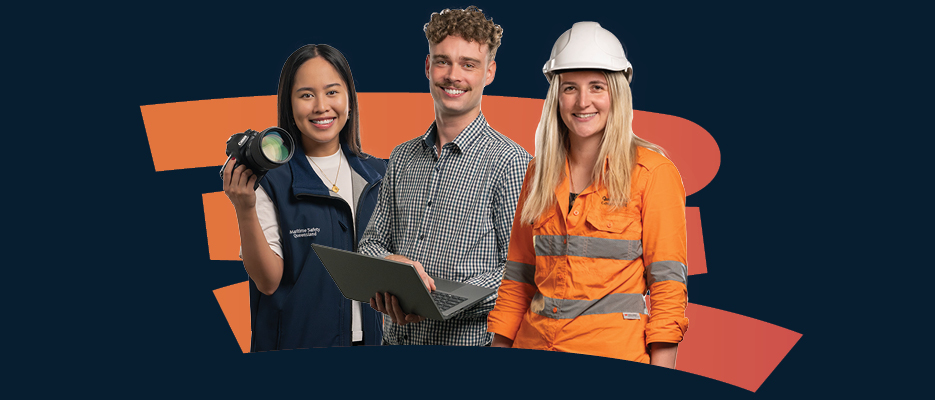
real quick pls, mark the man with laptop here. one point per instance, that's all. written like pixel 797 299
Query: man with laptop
pixel 449 195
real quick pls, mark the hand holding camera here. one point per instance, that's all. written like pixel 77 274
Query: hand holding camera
pixel 254 154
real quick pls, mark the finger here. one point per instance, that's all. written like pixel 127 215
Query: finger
pixel 235 176
pixel 426 279
pixel 228 169
pixel 385 304
pixel 244 173
pixel 400 315
pixel 373 304
pixel 251 181
pixel 379 303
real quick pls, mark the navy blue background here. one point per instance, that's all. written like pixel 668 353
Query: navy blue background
pixel 121 299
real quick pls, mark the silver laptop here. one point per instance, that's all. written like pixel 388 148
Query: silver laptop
pixel 360 277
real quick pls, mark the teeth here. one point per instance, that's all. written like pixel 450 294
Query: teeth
pixel 322 121
pixel 454 91
pixel 586 115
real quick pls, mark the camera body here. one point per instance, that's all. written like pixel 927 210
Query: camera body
pixel 260 151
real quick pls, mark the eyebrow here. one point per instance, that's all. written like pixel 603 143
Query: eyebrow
pixel 589 83
pixel 462 59
pixel 328 86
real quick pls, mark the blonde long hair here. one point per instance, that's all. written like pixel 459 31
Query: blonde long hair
pixel 618 146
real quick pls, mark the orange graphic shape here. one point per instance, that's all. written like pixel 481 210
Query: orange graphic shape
pixel 235 303
pixel 194 134
pixel 181 135
pixel 732 348
pixel 221 227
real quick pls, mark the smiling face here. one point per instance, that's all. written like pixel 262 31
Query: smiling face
pixel 457 71
pixel 319 106
pixel 584 102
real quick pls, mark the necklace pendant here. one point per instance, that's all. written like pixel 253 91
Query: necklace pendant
pixel 334 188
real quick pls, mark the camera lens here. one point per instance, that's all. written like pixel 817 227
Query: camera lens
pixel 274 147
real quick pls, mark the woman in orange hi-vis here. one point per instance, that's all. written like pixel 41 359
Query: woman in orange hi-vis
pixel 600 221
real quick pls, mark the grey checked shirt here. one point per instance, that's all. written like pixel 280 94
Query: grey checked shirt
pixel 453 213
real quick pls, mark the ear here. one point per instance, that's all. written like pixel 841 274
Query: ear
pixel 427 56
pixel 491 72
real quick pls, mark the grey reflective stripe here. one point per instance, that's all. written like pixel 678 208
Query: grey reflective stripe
pixel 519 272
pixel 566 309
pixel 584 246
pixel 666 271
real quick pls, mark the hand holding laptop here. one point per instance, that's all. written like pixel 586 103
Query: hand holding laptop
pixel 388 304
pixel 426 279
pixel 398 286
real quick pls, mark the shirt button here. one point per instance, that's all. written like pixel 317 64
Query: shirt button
pixel 576 212
pixel 608 224
pixel 422 236
pixel 554 309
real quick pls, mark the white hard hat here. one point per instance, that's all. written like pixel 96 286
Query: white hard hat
pixel 587 46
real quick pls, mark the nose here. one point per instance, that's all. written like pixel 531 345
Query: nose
pixel 583 99
pixel 321 105
pixel 454 73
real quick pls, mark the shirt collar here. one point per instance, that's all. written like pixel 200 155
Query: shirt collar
pixel 562 190
pixel 464 140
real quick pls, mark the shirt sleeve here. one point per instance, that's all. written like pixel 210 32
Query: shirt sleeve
pixel 502 209
pixel 665 254
pixel 377 240
pixel 268 216
pixel 518 285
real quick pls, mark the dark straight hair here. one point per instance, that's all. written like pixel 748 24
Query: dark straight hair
pixel 350 134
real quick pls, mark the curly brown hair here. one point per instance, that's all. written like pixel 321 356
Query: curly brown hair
pixel 470 24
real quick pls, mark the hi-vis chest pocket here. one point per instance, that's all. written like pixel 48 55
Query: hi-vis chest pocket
pixel 617 224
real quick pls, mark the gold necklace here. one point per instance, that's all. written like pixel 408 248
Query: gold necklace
pixel 334 186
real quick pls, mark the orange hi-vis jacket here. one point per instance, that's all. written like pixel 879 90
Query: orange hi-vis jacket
pixel 575 281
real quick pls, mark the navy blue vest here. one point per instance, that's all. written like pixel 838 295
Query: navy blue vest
pixel 307 309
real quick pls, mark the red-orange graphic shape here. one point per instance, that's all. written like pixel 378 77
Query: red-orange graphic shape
pixel 724 346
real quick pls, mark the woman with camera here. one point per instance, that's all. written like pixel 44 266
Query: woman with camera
pixel 324 196
pixel 600 221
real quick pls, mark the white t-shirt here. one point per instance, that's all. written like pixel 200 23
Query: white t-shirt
pixel 330 166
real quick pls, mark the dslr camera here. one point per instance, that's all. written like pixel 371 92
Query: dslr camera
pixel 259 151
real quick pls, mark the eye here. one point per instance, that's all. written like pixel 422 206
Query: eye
pixel 332 92
pixel 441 62
pixel 597 88
pixel 468 65
pixel 305 96
pixel 568 89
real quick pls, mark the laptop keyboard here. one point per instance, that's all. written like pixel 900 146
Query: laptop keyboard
pixel 445 301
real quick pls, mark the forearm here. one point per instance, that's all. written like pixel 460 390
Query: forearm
pixel 372 243
pixel 262 264
pixel 663 354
